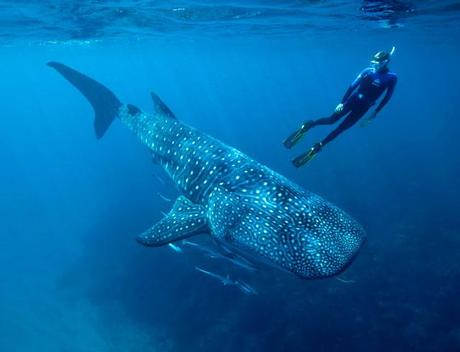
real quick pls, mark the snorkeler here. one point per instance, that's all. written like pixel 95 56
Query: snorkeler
pixel 358 99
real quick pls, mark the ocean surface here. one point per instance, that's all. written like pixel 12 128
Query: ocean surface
pixel 72 276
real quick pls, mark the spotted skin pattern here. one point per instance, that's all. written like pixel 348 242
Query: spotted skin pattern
pixel 185 219
pixel 246 206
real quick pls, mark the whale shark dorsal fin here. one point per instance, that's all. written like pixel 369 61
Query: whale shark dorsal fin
pixel 161 107
pixel 184 220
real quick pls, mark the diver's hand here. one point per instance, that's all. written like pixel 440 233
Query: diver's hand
pixel 339 108
pixel 368 120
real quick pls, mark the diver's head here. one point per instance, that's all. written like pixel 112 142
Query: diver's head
pixel 381 59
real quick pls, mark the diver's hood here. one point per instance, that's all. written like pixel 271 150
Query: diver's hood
pixel 382 58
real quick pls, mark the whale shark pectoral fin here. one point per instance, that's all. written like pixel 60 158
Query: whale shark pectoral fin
pixel 184 220
pixel 161 107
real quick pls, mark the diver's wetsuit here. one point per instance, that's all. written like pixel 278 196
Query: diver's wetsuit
pixel 359 97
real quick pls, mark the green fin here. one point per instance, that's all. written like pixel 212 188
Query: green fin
pixel 295 138
pixel 304 158
pixel 161 107
pixel 184 220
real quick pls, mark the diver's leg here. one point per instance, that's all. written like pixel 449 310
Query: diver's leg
pixel 349 121
pixel 295 137
pixel 336 116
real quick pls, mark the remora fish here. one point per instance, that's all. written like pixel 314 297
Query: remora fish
pixel 244 205
pixel 246 288
pixel 231 257
pixel 225 280
pixel 175 248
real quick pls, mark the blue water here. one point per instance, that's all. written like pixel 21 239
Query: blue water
pixel 72 277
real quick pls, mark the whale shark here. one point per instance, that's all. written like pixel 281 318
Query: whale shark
pixel 245 206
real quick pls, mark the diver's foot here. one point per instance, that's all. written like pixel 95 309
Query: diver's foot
pixel 295 138
pixel 306 157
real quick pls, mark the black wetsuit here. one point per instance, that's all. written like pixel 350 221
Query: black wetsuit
pixel 358 99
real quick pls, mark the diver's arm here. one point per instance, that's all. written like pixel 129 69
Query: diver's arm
pixel 385 100
pixel 388 94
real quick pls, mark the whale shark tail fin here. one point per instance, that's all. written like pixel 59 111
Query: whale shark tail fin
pixel 105 104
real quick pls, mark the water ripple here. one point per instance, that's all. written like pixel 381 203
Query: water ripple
pixel 96 20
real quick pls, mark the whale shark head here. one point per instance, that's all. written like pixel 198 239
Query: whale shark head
pixel 288 228
pixel 322 242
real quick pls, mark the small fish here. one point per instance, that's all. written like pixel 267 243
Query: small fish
pixel 225 280
pixel 164 198
pixel 175 248
pixel 345 281
pixel 231 257
pixel 206 250
pixel 237 260
pixel 190 243
pixel 246 288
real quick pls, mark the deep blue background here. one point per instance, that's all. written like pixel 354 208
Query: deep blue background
pixel 72 278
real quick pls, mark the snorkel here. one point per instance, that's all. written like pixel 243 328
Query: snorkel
pixel 393 49
pixel 381 59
